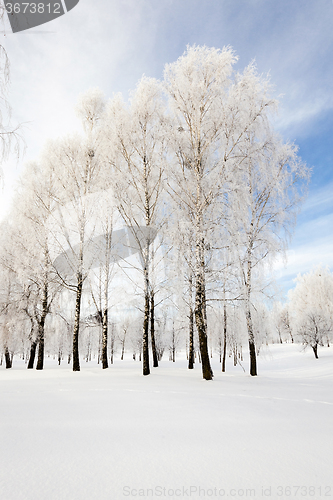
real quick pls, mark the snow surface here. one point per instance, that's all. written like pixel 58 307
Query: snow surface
pixel 115 434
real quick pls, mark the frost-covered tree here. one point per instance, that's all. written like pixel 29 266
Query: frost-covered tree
pixel 109 247
pixel 136 154
pixel 228 168
pixel 280 318
pixel 265 203
pixel 77 165
pixel 197 88
pixel 232 192
pixel 311 303
pixel 35 199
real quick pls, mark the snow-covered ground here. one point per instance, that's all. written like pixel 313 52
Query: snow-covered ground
pixel 114 434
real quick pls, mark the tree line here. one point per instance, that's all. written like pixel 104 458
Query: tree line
pixel 165 211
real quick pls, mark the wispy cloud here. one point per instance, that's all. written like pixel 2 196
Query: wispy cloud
pixel 320 200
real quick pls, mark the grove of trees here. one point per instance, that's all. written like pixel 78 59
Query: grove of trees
pixel 156 226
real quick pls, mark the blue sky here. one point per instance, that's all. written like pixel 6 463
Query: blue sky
pixel 111 43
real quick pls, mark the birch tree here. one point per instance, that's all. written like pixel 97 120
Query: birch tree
pixel 35 199
pixel 207 128
pixel 136 156
pixel 197 86
pixel 76 162
pixel 26 254
pixel 220 136
pixel 109 248
pixel 272 182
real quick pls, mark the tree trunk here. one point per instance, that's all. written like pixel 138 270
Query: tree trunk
pixel 224 336
pixel 105 339
pixel 33 341
pixel 32 354
pixel 152 330
pixel 207 372
pixel 191 342
pixel 105 318
pixel 76 358
pixel 8 358
pixel 289 328
pixel 252 348
pixel 200 319
pixel 191 328
pixel 315 349
pixel 145 337
pixel 40 358
pixel 41 328
pixel 122 349
pixel 235 355
pixel 200 286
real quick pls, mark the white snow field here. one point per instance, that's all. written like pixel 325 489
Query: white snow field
pixel 114 434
